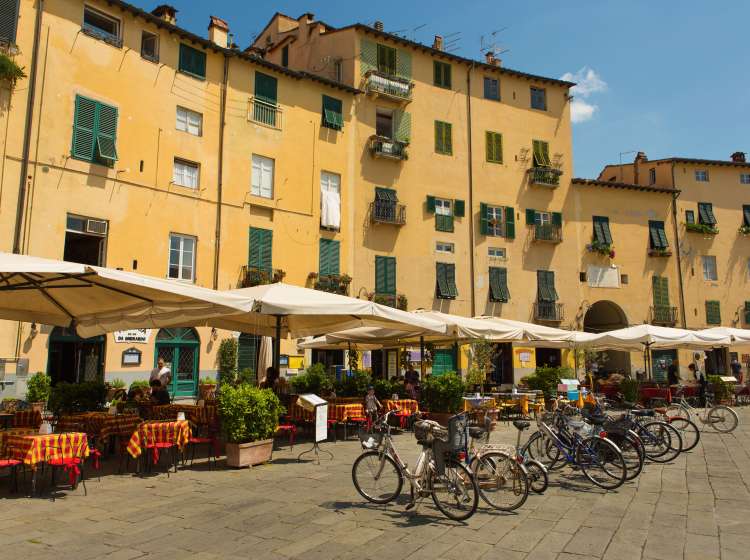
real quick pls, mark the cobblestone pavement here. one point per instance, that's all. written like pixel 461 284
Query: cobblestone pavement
pixel 695 508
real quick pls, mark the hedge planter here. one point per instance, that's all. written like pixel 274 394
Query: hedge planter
pixel 241 455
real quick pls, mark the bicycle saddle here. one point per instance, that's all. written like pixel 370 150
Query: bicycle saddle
pixel 594 418
pixel 476 432
pixel 521 424
pixel 642 412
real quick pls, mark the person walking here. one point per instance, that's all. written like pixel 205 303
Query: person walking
pixel 701 379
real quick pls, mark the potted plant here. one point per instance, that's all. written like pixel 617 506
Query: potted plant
pixel 139 388
pixel 38 390
pixel 207 388
pixel 314 380
pixel 115 389
pixel 443 395
pixel 546 380
pixel 249 418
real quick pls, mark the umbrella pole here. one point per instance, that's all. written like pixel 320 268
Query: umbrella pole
pixel 421 358
pixel 277 346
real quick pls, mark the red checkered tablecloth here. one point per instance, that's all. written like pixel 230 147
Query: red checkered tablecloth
pixel 101 424
pixel 337 412
pixel 34 449
pixel 4 434
pixel 177 432
pixel 404 405
pixel 27 419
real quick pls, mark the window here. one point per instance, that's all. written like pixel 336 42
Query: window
pixel 385 206
pixel 441 74
pixel 706 213
pixel 495 220
pixel 333 116
pixel 499 284
pixel 494 147
pixel 660 287
pixel 443 138
pixel 328 261
pixel 709 268
pixel 264 104
pixel 498 221
pixel 384 123
pixel 181 257
pixel 385 275
pixel 330 200
pixel 9 21
pixel 102 26
pixel 657 235
pixel 498 253
pixel 150 46
pixel 446 281
pixel 541 153
pixel 260 250
pixel 285 56
pixel 186 173
pixel 262 179
pixel 386 59
pixel 443 214
pixel 338 70
pixel 546 286
pixel 746 215
pixel 747 312
pixel 491 89
pixel 624 279
pixel 192 61
pixel 713 313
pixel 652 176
pixel 602 235
pixel 444 247
pixel 701 175
pixel 189 121
pixel 744 178
pixel 538 99
pixel 85 240
pixel 94 131
pixel 689 217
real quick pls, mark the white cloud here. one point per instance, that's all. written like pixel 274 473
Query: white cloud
pixel 588 82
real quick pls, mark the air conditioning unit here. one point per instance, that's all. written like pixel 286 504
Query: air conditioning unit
pixel 98 227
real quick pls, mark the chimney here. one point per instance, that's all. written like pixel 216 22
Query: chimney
pixel 438 43
pixel 378 26
pixel 738 157
pixel 166 12
pixel 490 58
pixel 640 158
pixel 218 32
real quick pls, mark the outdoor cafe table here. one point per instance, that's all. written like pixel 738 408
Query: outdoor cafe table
pixel 404 405
pixel 197 414
pixel 100 424
pixel 522 399
pixel 4 434
pixel 337 412
pixel 177 432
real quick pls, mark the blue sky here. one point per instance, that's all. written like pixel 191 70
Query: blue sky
pixel 668 78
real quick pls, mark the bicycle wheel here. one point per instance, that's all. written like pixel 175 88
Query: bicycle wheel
pixel 667 440
pixel 601 462
pixel 502 482
pixel 541 448
pixel 375 483
pixel 723 419
pixel 689 432
pixel 676 410
pixel 455 492
pixel 639 444
pixel 630 453
pixel 537 475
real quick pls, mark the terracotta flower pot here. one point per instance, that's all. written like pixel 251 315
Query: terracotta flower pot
pixel 37 406
pixel 247 454
pixel 207 391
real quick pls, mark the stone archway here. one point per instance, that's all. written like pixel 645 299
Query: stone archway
pixel 605 316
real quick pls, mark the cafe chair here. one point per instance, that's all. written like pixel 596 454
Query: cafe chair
pixel 70 458
pixel 12 464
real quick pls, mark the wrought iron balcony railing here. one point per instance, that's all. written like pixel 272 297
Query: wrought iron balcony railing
pixel 333 283
pixel 544 176
pixel 380 146
pixel 388 212
pixel 255 276
pixel 102 35
pixel 547 233
pixel 265 113
pixel 664 315
pixel 549 311
pixel 380 83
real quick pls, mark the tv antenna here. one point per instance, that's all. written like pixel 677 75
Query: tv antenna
pixel 451 41
pixel 409 34
pixel 489 44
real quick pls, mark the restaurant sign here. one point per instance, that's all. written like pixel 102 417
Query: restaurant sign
pixel 131 336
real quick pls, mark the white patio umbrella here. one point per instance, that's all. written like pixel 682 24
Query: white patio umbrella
pixel 322 343
pixel 96 300
pixel 737 336
pixel 638 336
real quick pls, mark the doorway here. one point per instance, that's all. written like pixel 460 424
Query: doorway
pixel 548 357
pixel 502 364
pixel 716 361
pixel 606 316
pixel 660 362
pixel 73 359
pixel 179 349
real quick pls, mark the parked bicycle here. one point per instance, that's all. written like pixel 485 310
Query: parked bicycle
pixel 379 472
pixel 720 417
pixel 536 472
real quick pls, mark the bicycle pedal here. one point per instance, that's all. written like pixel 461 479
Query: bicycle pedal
pixel 410 505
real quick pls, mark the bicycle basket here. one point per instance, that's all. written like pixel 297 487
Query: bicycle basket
pixel 370 440
pixel 428 430
pixel 458 432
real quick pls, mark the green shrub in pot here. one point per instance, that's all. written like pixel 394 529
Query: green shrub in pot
pixel 443 393
pixel 38 388
pixel 67 398
pixel 315 380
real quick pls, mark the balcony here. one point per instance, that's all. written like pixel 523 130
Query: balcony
pixel 398 301
pixel 265 113
pixel 255 276
pixel 380 84
pixel 548 311
pixel 664 315
pixel 382 147
pixel 547 233
pixel 102 35
pixel 545 176
pixel 659 252
pixel 705 229
pixel 383 212
pixel 332 283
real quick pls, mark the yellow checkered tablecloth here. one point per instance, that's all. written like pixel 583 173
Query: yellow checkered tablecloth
pixel 337 412
pixel 4 434
pixel 404 405
pixel 100 424
pixel 34 449
pixel 177 432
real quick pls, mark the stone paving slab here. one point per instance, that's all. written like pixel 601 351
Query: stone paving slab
pixel 697 507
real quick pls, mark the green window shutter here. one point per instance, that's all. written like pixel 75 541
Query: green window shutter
pixel 323 257
pixel 430 204
pixel 443 138
pixel 84 129
pixel 106 133
pixel 443 222
pixel 706 213
pixel 689 217
pixel 8 20
pixel 660 286
pixel 380 272
pixel 483 218
pixel 657 235
pixel 494 141
pixel 266 88
pixel 446 281
pixel 386 59
pixel 747 312
pixel 402 126
pixel 746 214
pixel 329 257
pixel 261 245
pixel 450 274
pixel 403 64
pixel 601 230
pixel 441 74
pixel 510 225
pixel 333 116
pixel 192 61
pixel 530 216
pixel 390 277
pixel 385 275
pixel 447 76
pixel 546 285
pixel 499 284
pixel 541 153
pixel 368 56
pixel 713 313
pixel 459 208
pixel 247 352
pixel 448 137
pixel 557 219
pixel 442 285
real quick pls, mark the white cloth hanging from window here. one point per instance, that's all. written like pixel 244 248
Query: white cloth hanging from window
pixel 330 200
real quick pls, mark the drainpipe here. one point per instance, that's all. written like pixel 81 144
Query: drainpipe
pixel 27 129
pixel 683 318
pixel 471 190
pixel 222 115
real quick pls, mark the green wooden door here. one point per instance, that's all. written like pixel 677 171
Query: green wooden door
pixel 442 361
pixel 179 349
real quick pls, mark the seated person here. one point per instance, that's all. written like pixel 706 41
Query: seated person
pixel 159 394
